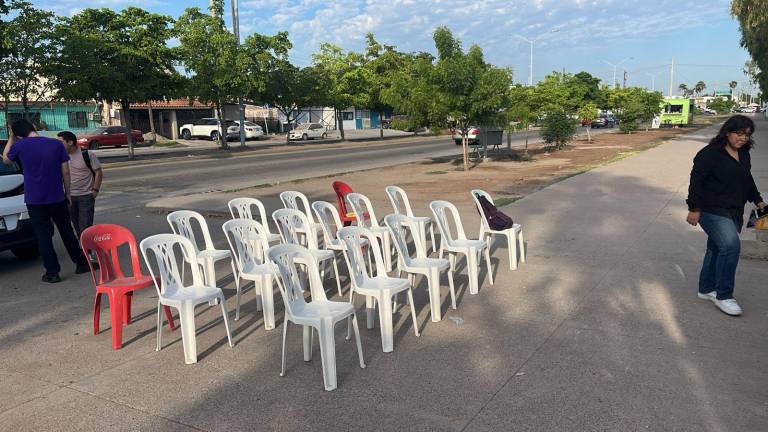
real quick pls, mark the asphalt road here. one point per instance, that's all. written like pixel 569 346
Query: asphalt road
pixel 130 185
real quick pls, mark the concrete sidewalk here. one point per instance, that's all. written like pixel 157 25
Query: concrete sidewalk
pixel 600 330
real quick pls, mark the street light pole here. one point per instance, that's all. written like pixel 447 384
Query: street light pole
pixel 530 63
pixel 240 106
pixel 653 80
pixel 615 66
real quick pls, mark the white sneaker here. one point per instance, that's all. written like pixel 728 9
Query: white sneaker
pixel 711 296
pixel 729 306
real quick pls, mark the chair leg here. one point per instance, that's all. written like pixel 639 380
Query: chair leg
pixel 169 316
pixel 521 246
pixel 224 315
pixel 96 313
pixel 472 270
pixel 188 341
pixel 488 264
pixel 433 283
pixel 268 302
pixel 413 312
pixel 307 336
pixel 116 318
pixel 385 322
pixel 432 236
pixel 159 329
pixel 370 310
pixel 512 250
pixel 127 307
pixel 336 274
pixel 285 337
pixel 357 341
pixel 452 289
pixel 328 353
pixel 237 297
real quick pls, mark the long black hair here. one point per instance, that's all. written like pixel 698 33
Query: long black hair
pixel 737 123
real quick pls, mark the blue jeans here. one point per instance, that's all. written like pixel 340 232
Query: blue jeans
pixel 718 272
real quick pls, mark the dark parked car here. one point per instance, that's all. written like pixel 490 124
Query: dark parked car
pixel 108 136
pixel 603 121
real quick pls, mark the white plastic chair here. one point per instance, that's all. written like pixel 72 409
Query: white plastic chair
pixel 319 314
pixel 172 292
pixel 249 242
pixel 472 249
pixel 208 255
pixel 330 222
pixel 291 223
pixel 298 201
pixel 242 208
pixel 513 235
pixel 402 205
pixel 431 268
pixel 380 288
pixel 360 205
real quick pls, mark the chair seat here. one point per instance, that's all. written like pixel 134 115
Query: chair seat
pixel 322 255
pixel 254 269
pixel 214 254
pixel 422 219
pixel 317 309
pixel 272 237
pixel 515 228
pixel 426 263
pixel 128 283
pixel 194 293
pixel 380 283
pixel 463 244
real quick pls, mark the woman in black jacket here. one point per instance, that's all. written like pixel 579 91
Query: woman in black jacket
pixel 721 183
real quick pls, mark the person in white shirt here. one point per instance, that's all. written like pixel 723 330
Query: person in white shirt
pixel 86 175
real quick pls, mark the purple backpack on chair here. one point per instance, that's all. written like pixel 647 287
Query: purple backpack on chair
pixel 497 220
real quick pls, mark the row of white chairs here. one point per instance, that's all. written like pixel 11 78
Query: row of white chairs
pixel 254 258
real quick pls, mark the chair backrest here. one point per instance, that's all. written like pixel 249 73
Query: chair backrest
pixel 354 238
pixel 248 241
pixel 361 205
pixel 399 227
pixel 297 201
pixel 399 200
pixel 104 240
pixel 445 214
pixel 242 208
pixel 290 222
pixel 483 216
pixel 329 220
pixel 164 248
pixel 283 259
pixel 181 224
pixel 342 190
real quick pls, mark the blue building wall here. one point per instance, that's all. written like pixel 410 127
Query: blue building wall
pixel 54 117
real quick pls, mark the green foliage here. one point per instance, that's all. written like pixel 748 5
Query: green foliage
pixel 634 105
pixel 588 111
pixel 412 92
pixel 558 128
pixel 406 125
pixel 721 105
pixel 752 16
pixel 343 78
pixel 28 50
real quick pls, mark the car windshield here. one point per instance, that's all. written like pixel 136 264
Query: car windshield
pixel 251 124
pixel 9 169
pixel 302 126
pixel 97 131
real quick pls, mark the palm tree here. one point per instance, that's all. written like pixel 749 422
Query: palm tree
pixel 683 89
pixel 699 87
pixel 732 85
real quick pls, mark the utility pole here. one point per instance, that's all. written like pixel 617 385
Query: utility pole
pixel 615 66
pixel 671 77
pixel 530 63
pixel 653 81
pixel 240 106
pixel 625 79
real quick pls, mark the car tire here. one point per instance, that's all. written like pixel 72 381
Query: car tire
pixel 325 136
pixel 26 252
pixel 186 134
pixel 304 137
pixel 214 136
pixel 94 145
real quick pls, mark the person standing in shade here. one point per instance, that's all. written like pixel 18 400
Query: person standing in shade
pixel 45 167
pixel 721 183
pixel 86 175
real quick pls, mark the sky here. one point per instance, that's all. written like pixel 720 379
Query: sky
pixel 573 35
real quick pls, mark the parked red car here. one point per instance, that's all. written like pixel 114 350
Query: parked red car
pixel 108 136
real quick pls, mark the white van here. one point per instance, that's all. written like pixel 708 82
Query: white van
pixel 16 233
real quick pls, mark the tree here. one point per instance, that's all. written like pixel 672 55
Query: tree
pixel 381 62
pixel 472 91
pixel 25 71
pixel 522 112
pixel 116 57
pixel 635 105
pixel 721 105
pixel 558 128
pixel 683 90
pixel 210 54
pixel 587 113
pixel 752 16
pixel 732 85
pixel 412 92
pixel 699 87
pixel 343 78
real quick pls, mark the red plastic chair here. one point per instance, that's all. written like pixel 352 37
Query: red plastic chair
pixel 104 240
pixel 346 216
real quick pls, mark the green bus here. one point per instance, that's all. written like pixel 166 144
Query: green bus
pixel 676 111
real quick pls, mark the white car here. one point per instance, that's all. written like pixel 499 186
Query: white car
pixel 306 131
pixel 208 128
pixel 252 130
pixel 16 233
